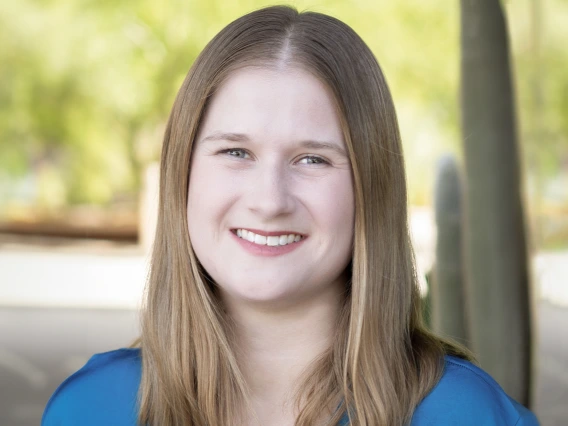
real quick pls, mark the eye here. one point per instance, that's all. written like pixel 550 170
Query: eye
pixel 235 152
pixel 313 159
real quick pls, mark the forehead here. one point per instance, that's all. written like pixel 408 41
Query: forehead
pixel 288 103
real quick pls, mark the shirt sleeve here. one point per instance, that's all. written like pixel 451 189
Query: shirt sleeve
pixel 468 396
pixel 62 407
pixel 526 417
pixel 103 392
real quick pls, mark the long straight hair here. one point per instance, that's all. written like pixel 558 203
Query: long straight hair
pixel 383 361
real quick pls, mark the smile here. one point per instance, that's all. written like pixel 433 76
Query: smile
pixel 271 240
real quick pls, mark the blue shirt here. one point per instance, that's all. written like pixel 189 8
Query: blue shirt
pixel 104 392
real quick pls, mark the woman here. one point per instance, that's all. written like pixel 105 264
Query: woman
pixel 282 289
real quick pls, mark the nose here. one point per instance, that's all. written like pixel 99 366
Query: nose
pixel 270 194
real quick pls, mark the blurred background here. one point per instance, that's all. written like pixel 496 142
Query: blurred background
pixel 85 92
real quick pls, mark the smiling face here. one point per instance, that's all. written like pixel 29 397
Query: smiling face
pixel 270 201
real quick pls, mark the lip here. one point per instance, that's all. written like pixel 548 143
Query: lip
pixel 265 250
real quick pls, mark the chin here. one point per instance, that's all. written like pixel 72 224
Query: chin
pixel 260 293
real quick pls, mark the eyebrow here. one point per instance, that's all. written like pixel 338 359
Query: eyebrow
pixel 241 137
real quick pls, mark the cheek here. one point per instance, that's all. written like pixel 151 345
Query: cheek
pixel 210 194
pixel 205 186
pixel 201 198
pixel 336 205
pixel 203 205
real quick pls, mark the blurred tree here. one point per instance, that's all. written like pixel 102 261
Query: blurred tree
pixel 84 97
pixel 90 99
pixel 496 254
pixel 86 87
pixel 539 37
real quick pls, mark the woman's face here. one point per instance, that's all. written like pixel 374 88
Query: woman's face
pixel 270 202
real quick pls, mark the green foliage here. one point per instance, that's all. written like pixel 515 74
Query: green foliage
pixel 86 86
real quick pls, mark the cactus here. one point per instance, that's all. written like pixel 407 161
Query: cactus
pixel 447 298
pixel 497 279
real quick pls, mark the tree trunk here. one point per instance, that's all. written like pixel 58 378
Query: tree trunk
pixel 497 284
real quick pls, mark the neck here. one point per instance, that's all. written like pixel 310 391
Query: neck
pixel 276 347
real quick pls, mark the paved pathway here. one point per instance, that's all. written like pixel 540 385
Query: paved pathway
pixel 551 378
pixel 40 347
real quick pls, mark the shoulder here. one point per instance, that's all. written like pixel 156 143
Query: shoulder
pixel 104 389
pixel 467 395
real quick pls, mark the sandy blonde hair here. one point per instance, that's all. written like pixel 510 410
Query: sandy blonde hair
pixel 383 361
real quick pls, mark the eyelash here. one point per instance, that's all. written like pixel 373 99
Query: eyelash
pixel 227 151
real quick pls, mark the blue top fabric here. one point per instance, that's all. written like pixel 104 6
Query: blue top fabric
pixel 104 392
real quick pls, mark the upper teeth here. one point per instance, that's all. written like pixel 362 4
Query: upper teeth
pixel 276 240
